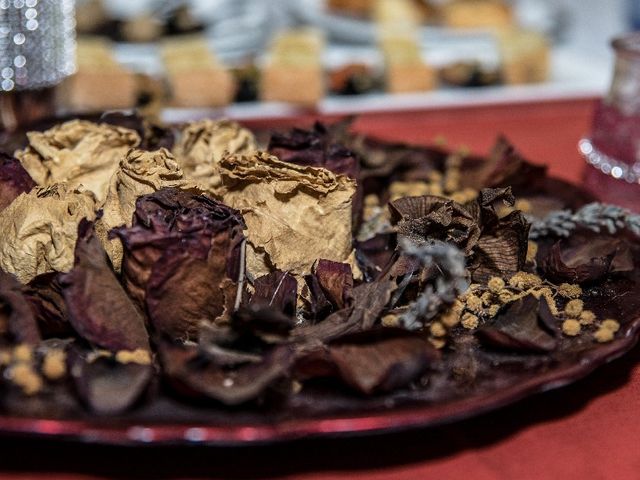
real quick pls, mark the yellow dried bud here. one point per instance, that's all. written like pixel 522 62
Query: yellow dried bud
pixel 437 329
pixel 523 205
pixel 139 356
pixel 474 303
pixel 23 353
pixel 5 358
pixel 470 321
pixel 450 319
pixel 495 284
pixel 438 342
pixel 434 176
pixel 604 335
pixel 571 327
pixel 524 280
pixel 371 200
pixel 457 306
pixel 54 365
pixel 505 296
pixel 610 324
pixel 587 317
pixel 569 290
pixel 493 310
pixel 532 251
pixel 487 298
pixel 390 320
pixel 574 308
pixel 25 377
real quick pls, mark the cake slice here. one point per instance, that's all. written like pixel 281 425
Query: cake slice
pixel 524 55
pixel 196 77
pixel 100 82
pixel 293 71
pixel 405 70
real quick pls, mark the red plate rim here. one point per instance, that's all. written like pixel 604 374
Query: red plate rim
pixel 113 432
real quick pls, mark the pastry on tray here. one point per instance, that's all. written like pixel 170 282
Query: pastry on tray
pixel 196 77
pixel 191 274
pixel 100 82
pixel 293 70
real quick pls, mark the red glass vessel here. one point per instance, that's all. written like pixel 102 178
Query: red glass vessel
pixel 613 151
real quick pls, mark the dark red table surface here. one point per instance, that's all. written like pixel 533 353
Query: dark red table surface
pixel 589 430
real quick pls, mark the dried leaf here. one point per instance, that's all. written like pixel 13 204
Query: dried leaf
pixel 428 218
pixel 586 258
pixel 502 247
pixel 192 375
pixel 369 300
pixel 506 167
pixel 382 360
pixel 179 254
pixel 77 152
pixel 14 180
pixel 39 230
pixel 294 214
pixel 99 308
pixel 522 326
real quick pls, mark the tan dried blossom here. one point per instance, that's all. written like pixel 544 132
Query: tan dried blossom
pixel 571 327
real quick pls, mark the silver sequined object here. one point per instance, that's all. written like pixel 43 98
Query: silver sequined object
pixel 37 43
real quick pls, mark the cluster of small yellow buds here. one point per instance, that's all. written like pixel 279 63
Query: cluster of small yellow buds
pixel 569 290
pixel 532 251
pixel 606 331
pixel 524 280
pixel 21 370
pixel 574 308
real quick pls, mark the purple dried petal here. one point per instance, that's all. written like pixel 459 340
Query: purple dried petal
pixel 98 307
pixel 179 256
pixel 192 375
pixel 17 320
pixel 519 327
pixel 336 281
pixel 14 180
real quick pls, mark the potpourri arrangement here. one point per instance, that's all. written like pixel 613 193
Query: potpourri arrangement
pixel 201 272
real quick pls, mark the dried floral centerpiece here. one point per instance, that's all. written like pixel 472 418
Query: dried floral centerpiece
pixel 323 272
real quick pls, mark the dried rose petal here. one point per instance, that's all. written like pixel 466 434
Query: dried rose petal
pixel 277 291
pixel 319 148
pixel 369 299
pixel 522 326
pixel 336 281
pixel 381 360
pixel 106 386
pixel 45 295
pixel 98 307
pixel 14 180
pixel 193 375
pixel 180 254
pixel 17 320
pixel 586 258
